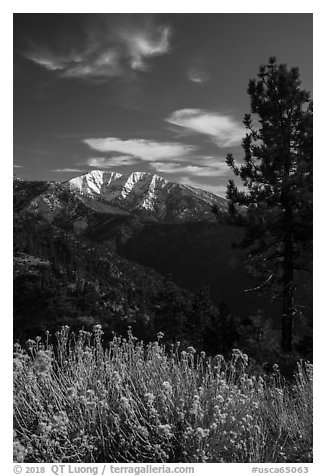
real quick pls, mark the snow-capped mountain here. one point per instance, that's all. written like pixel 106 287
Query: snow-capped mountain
pixel 138 194
pixel 146 194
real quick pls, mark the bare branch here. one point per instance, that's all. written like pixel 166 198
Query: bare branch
pixel 263 285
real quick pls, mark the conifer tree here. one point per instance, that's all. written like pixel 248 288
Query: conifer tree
pixel 275 203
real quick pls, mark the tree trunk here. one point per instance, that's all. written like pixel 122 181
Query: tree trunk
pixel 288 264
pixel 288 309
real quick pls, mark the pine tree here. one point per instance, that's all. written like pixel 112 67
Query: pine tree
pixel 275 204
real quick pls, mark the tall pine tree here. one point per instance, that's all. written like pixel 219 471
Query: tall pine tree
pixel 275 203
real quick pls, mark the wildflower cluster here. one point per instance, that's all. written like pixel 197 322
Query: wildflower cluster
pixel 78 401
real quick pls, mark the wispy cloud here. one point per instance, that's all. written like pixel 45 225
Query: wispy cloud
pixel 197 76
pixel 222 129
pixel 112 46
pixel 67 169
pixel 141 44
pixel 218 189
pixel 208 169
pixel 107 162
pixel 142 148
pixel 16 166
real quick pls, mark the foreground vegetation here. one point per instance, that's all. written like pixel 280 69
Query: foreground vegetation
pixel 76 401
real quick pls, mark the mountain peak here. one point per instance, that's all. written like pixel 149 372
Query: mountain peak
pixel 145 193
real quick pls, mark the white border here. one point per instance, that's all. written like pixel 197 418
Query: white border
pixel 168 6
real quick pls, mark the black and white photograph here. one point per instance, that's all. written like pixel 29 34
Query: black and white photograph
pixel 163 238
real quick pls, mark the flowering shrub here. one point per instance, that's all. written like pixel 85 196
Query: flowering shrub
pixel 79 402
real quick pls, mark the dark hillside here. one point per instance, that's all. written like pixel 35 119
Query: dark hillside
pixel 60 278
pixel 197 254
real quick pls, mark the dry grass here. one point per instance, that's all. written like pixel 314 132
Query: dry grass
pixel 79 402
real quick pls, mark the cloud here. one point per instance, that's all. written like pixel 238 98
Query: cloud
pixel 141 148
pixel 198 76
pixel 111 46
pixel 67 169
pixel 143 44
pixel 208 169
pixel 16 166
pixel 218 189
pixel 45 58
pixel 222 129
pixel 107 162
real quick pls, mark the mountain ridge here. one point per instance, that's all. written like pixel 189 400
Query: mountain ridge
pixel 143 194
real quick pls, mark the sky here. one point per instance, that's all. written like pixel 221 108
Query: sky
pixel 160 93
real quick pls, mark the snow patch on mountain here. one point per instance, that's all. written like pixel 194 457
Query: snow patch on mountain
pixel 146 193
pixel 141 193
